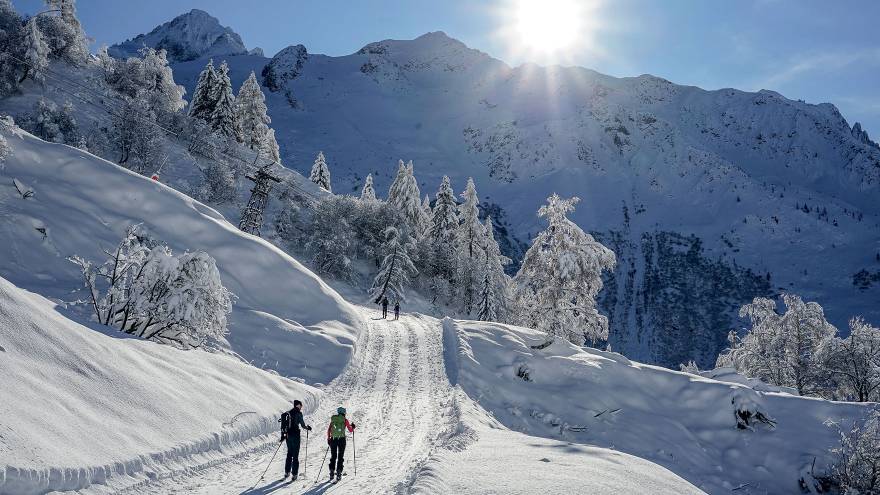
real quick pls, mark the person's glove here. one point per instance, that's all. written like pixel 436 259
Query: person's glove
pixel 309 428
pixel 328 441
pixel 283 437
pixel 353 426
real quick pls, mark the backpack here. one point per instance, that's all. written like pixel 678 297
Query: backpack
pixel 285 421
pixel 337 426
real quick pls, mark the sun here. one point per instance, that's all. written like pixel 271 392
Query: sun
pixel 547 26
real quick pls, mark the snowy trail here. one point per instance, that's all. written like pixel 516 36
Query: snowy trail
pixel 395 390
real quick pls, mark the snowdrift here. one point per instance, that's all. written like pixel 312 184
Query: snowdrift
pixel 680 421
pixel 284 318
pixel 85 405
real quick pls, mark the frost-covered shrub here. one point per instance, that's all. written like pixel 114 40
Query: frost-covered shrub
pixel 144 289
pixel 5 151
pixel 857 469
pixel 51 123
pixel 854 362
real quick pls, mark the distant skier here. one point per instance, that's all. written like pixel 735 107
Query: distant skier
pixel 396 309
pixel 384 307
pixel 290 423
pixel 336 441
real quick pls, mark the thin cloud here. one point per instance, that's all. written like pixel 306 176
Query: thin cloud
pixel 824 62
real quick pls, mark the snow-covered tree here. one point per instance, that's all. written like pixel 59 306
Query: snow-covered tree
pixel 368 193
pixel 35 52
pixel 139 143
pixel 396 269
pixel 223 112
pixel 857 469
pixel 64 33
pixel 269 148
pixel 783 349
pixel 855 361
pixel 5 151
pixel 146 290
pixel 202 104
pixel 426 208
pixel 404 197
pixel 560 276
pixel 51 123
pixel 250 114
pixel 442 236
pixel 320 173
pixel 219 185
pixel 11 45
pixel 163 96
pixel 471 240
pixel 495 287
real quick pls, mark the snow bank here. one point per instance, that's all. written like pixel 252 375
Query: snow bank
pixel 682 422
pixel 284 318
pixel 90 405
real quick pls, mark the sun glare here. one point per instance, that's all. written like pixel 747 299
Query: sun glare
pixel 547 25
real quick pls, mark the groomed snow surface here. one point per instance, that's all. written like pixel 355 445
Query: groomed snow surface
pixel 441 407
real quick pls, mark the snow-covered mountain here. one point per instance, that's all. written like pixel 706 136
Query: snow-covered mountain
pixel 709 198
pixel 188 36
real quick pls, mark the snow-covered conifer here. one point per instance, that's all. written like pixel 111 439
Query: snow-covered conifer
pixel 495 284
pixel 202 104
pixel 250 114
pixel 404 197
pixel 163 96
pixel 560 276
pixel 35 52
pixel 396 269
pixel 368 193
pixel 320 174
pixel 426 208
pixel 442 235
pixel 223 113
pixel 269 148
pixel 471 240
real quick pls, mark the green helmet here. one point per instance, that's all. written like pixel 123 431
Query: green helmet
pixel 340 410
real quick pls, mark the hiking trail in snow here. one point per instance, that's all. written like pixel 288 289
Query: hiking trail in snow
pixel 395 390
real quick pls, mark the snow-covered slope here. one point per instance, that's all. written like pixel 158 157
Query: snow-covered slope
pixel 682 422
pixel 188 36
pixel 709 198
pixel 84 405
pixel 284 317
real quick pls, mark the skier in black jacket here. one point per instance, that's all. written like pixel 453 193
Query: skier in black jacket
pixel 384 307
pixel 290 423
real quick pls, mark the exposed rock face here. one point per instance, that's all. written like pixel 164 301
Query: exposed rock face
pixel 284 67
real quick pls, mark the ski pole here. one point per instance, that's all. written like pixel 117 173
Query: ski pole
pixel 267 466
pixel 354 450
pixel 322 465
pixel 306 463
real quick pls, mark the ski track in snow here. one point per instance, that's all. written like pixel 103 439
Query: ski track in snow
pixel 395 390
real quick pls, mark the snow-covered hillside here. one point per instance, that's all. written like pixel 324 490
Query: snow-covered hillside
pixel 726 194
pixel 682 422
pixel 186 37
pixel 82 205
pixel 87 404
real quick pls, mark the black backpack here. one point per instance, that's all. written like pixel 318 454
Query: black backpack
pixel 285 421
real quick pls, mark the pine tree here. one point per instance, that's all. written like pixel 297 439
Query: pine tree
pixel 426 208
pixel 320 173
pixel 495 288
pixel 404 197
pixel 442 235
pixel 223 113
pixel 560 276
pixel 269 148
pixel 36 52
pixel 202 105
pixel 396 269
pixel 250 114
pixel 368 193
pixel 470 237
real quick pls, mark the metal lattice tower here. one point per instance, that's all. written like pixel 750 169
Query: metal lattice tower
pixel 252 216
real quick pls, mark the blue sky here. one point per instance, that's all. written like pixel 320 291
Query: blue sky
pixel 806 49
